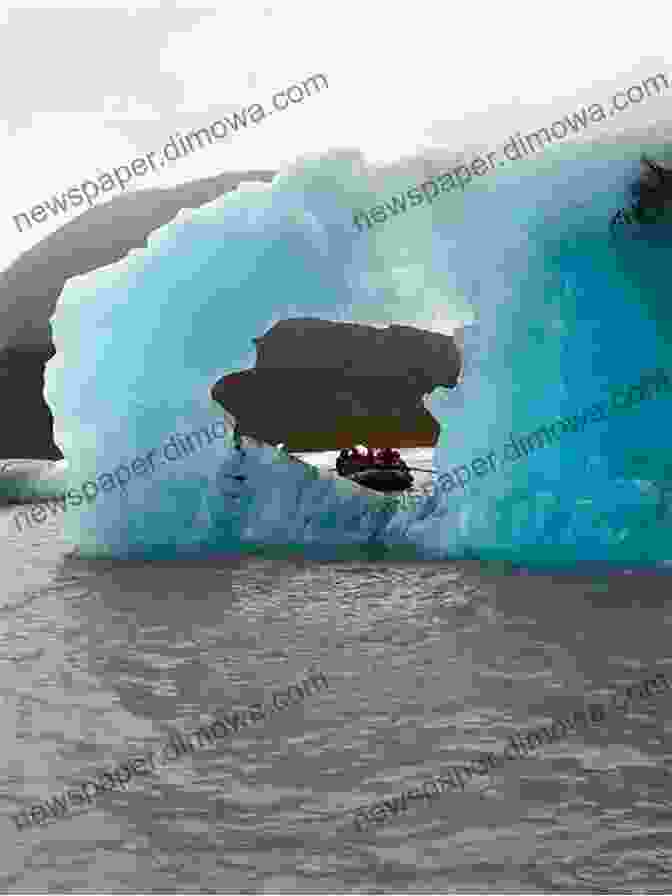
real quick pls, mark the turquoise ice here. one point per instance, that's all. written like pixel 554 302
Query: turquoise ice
pixel 556 312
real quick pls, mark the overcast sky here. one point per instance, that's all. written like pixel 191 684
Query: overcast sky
pixel 90 87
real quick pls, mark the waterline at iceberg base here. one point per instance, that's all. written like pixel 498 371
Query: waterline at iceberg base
pixel 557 312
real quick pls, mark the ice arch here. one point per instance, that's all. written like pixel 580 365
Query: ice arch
pixel 562 311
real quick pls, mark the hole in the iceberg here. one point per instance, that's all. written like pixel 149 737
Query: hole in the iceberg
pixel 321 385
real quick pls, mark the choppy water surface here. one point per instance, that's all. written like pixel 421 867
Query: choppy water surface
pixel 427 664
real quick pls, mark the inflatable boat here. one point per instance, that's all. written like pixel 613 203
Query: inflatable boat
pixel 381 477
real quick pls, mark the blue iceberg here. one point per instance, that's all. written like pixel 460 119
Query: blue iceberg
pixel 555 311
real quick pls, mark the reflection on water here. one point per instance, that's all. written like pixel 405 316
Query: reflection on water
pixel 428 664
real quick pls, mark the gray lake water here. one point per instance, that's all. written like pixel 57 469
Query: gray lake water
pixel 427 664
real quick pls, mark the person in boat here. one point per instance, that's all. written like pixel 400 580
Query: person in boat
pixel 342 460
pixel 388 458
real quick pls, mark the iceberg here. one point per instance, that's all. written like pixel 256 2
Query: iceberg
pixel 23 480
pixel 552 309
